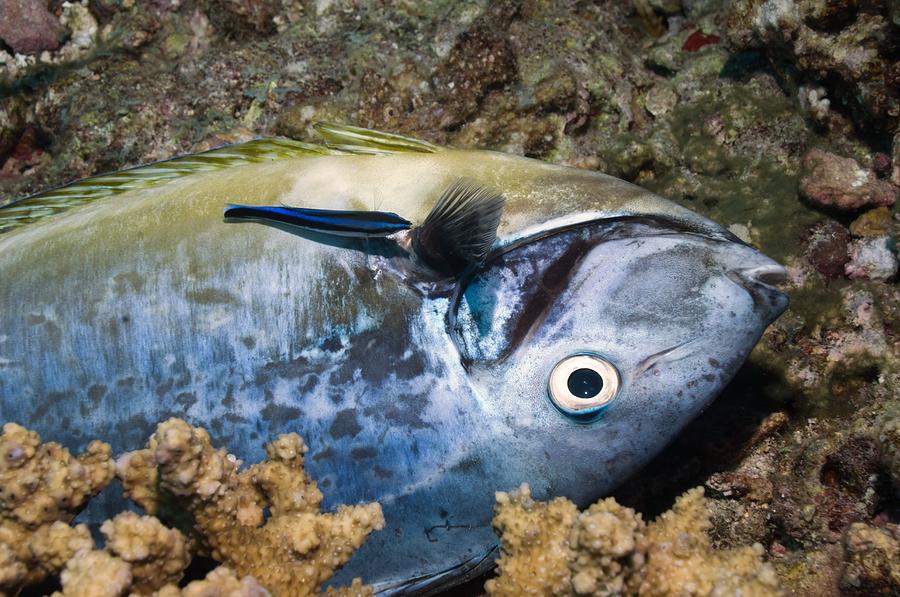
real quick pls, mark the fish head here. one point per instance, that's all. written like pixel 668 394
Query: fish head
pixel 593 344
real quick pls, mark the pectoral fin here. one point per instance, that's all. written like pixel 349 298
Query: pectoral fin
pixel 461 228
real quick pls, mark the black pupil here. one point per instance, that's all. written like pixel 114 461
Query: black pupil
pixel 585 383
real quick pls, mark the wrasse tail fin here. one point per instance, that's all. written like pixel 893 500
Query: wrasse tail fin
pixel 341 223
pixel 461 228
pixel 353 139
pixel 48 203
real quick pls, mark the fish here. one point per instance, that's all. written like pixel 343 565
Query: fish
pixel 437 323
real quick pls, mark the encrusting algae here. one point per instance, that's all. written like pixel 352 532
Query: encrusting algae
pixel 551 549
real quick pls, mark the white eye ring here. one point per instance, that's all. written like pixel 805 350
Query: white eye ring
pixel 595 380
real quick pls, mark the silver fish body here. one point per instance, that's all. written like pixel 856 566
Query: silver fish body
pixel 424 392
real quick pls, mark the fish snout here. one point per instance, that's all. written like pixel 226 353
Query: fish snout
pixel 761 283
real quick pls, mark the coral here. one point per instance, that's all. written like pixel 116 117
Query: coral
pixel 221 582
pixel 840 183
pixel 157 555
pixel 535 557
pixel 42 487
pixel 548 549
pixel 681 560
pixel 93 573
pixel 609 546
pixel 296 549
pixel 873 560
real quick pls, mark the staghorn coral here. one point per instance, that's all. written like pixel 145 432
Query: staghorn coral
pixel 294 551
pixel 548 549
pixel 42 487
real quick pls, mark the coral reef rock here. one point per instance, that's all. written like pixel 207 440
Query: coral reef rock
pixel 42 488
pixel 293 551
pixel 873 560
pixel 840 183
pixel 873 258
pixel 28 27
pixel 548 548
pixel 848 45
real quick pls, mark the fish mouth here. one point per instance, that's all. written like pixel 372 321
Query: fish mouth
pixel 761 282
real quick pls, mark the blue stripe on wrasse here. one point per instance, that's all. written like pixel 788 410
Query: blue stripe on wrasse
pixel 343 223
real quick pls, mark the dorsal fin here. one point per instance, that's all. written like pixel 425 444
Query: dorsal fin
pixel 353 139
pixel 36 207
pixel 460 229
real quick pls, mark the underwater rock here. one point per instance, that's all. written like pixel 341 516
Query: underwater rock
pixel 28 27
pixel 42 488
pixel 826 249
pixel 549 549
pixel 295 549
pixel 666 7
pixel 875 222
pixel 840 183
pixel 872 257
pixel 849 50
pixel 890 447
pixel 873 560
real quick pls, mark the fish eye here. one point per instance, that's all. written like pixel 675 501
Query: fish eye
pixel 583 385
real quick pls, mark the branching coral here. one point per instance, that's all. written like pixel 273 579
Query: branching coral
pixel 158 555
pixel 100 574
pixel 293 551
pixel 221 582
pixel 535 559
pixel 94 573
pixel 42 487
pixel 549 549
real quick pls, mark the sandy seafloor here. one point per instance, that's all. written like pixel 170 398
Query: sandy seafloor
pixel 778 119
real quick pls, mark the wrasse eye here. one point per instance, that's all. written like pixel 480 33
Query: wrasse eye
pixel 583 385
